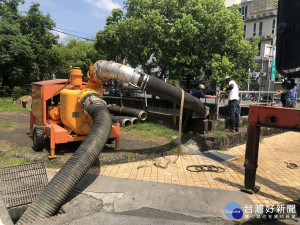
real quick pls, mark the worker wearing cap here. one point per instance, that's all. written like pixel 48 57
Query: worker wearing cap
pixel 286 98
pixel 233 105
pixel 187 113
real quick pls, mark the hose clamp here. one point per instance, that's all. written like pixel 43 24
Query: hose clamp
pixel 91 99
pixel 145 81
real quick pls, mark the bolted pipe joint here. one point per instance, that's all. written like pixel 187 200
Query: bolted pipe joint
pixel 90 101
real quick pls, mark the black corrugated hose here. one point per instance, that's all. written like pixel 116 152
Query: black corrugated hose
pixel 125 111
pixel 49 201
pixel 171 93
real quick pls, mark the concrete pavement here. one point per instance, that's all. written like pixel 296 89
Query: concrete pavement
pixel 111 200
pixel 142 193
pixel 132 187
pixel 279 184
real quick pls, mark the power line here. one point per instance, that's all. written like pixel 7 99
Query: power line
pixel 71 31
pixel 72 35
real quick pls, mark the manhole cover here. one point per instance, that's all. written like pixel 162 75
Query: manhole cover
pixel 20 184
pixel 218 156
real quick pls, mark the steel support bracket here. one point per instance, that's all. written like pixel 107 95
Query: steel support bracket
pixel 266 116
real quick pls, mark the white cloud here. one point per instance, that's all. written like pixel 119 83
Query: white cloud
pixel 62 37
pixel 97 14
pixel 104 4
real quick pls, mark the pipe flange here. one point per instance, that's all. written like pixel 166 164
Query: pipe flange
pixel 142 115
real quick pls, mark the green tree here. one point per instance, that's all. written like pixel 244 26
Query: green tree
pixel 15 53
pixel 109 42
pixel 36 28
pixel 116 16
pixel 25 45
pixel 186 37
pixel 9 10
pixel 75 53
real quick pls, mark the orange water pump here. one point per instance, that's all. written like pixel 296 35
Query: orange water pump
pixel 57 113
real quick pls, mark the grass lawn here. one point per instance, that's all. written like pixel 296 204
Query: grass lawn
pixel 6 124
pixel 7 160
pixel 150 131
pixel 6 105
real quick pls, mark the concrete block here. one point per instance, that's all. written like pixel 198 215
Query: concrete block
pixel 26 101
pixel 216 124
pixel 203 126
pixel 243 120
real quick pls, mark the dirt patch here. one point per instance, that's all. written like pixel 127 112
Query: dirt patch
pixel 130 142
pixel 16 136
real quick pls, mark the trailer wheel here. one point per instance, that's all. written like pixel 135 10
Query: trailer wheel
pixel 38 139
pixel 110 140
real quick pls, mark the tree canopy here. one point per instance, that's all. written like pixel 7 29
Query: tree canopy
pixel 185 38
pixel 75 53
pixel 26 44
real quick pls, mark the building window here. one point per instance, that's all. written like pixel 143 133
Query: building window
pixel 254 29
pixel 244 30
pixel 260 28
pixel 259 48
pixel 273 26
pixel 244 11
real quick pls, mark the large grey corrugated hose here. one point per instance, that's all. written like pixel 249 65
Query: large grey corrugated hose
pixel 55 193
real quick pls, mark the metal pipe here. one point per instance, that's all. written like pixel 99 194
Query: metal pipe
pixel 105 70
pixel 125 111
pixel 133 120
pixel 123 120
pixel 218 103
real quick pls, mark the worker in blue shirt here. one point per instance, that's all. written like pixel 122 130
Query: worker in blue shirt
pixel 293 98
pixel 187 115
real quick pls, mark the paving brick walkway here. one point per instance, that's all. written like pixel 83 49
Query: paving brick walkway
pixel 278 183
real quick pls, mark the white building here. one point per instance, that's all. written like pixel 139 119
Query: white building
pixel 260 18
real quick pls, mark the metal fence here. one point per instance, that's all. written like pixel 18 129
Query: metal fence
pixel 248 98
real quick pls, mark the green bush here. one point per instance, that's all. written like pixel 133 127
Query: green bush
pixel 17 92
pixel 5 91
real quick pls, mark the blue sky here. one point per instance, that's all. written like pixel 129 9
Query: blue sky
pixel 85 17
